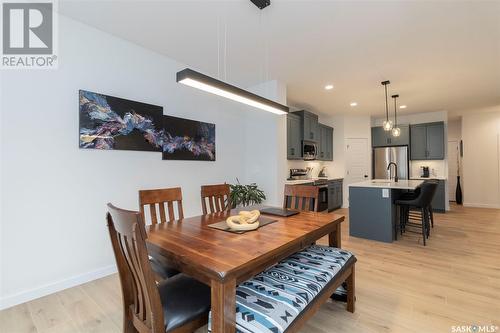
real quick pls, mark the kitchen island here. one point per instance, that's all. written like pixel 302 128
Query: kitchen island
pixel 372 212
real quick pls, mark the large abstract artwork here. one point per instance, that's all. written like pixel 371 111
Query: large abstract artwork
pixel 186 139
pixel 108 122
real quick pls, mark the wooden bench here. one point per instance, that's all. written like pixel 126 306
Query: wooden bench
pixel 284 296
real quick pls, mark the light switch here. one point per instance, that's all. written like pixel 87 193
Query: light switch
pixel 385 193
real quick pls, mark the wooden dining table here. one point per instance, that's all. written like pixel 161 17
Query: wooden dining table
pixel 223 259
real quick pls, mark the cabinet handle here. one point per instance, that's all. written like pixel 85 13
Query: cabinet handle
pixel 292 150
pixel 311 135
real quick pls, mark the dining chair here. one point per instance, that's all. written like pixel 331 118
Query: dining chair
pixel 155 201
pixel 179 304
pixel 301 197
pixel 217 197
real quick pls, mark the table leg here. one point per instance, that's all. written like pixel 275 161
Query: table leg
pixel 223 306
pixel 334 238
pixel 351 290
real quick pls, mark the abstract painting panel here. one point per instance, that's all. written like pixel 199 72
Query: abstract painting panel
pixel 108 122
pixel 186 139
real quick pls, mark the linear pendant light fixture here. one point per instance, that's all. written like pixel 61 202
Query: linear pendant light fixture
pixel 206 83
pixel 396 131
pixel 387 124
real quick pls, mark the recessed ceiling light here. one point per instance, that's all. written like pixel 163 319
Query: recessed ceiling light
pixel 329 87
pixel 402 106
pixel 353 104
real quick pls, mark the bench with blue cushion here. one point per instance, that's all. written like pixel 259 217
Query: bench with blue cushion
pixel 284 296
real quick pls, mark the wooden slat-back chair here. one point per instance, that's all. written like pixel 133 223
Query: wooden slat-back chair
pixel 299 197
pixel 217 197
pixel 143 301
pixel 158 199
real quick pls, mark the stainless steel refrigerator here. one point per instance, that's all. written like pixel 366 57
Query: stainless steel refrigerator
pixel 384 155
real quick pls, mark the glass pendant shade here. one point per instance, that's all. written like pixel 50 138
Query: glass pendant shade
pixel 387 125
pixel 396 131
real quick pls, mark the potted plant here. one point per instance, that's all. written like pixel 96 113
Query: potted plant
pixel 246 195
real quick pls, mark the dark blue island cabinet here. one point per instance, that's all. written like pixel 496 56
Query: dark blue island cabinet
pixel 372 212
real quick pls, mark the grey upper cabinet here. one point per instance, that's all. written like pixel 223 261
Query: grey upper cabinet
pixel 427 141
pixel 403 138
pixel 435 141
pixel 325 143
pixel 381 138
pixel 329 144
pixel 310 129
pixel 418 148
pixel 293 137
pixel 303 125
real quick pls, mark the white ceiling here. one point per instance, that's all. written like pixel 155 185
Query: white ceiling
pixel 439 55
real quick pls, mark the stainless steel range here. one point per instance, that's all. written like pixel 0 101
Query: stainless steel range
pixel 321 183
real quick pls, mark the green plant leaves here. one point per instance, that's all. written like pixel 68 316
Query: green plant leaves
pixel 246 195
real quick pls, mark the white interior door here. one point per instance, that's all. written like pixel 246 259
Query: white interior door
pixel 357 164
pixel 357 160
pixel 452 168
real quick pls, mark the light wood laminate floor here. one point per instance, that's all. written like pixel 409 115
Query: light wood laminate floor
pixel 401 287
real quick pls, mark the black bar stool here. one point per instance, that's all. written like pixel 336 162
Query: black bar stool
pixel 417 208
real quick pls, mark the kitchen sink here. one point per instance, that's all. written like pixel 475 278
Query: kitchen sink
pixel 381 181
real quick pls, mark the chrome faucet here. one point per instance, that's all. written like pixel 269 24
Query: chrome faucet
pixel 396 169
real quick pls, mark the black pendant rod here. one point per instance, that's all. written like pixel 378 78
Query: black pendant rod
pixel 395 108
pixel 385 83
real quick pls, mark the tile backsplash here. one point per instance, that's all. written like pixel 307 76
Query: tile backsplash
pixel 315 165
pixel 437 168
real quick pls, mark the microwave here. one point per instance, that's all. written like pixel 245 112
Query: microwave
pixel 309 150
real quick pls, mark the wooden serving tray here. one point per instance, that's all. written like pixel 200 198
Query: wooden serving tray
pixel 263 221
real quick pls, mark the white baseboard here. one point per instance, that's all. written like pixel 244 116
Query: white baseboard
pixel 31 294
pixel 479 205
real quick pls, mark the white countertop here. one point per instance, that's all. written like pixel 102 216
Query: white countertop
pixel 428 178
pixel 403 184
pixel 305 181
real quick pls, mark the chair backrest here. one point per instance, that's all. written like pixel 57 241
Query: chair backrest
pixel 158 199
pixel 427 191
pixel 301 197
pixel 141 299
pixel 217 197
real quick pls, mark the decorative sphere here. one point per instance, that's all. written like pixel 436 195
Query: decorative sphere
pixel 387 125
pixel 396 131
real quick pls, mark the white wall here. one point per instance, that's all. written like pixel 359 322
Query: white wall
pixel 54 194
pixel 455 129
pixel 481 160
pixel 265 144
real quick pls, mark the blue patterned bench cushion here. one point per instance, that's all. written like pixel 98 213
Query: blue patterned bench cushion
pixel 270 301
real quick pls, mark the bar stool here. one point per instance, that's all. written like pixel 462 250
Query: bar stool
pixel 418 208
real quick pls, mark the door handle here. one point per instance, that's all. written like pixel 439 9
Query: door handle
pixel 366 176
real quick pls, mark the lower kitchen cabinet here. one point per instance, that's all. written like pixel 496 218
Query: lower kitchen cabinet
pixel 439 201
pixel 335 194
